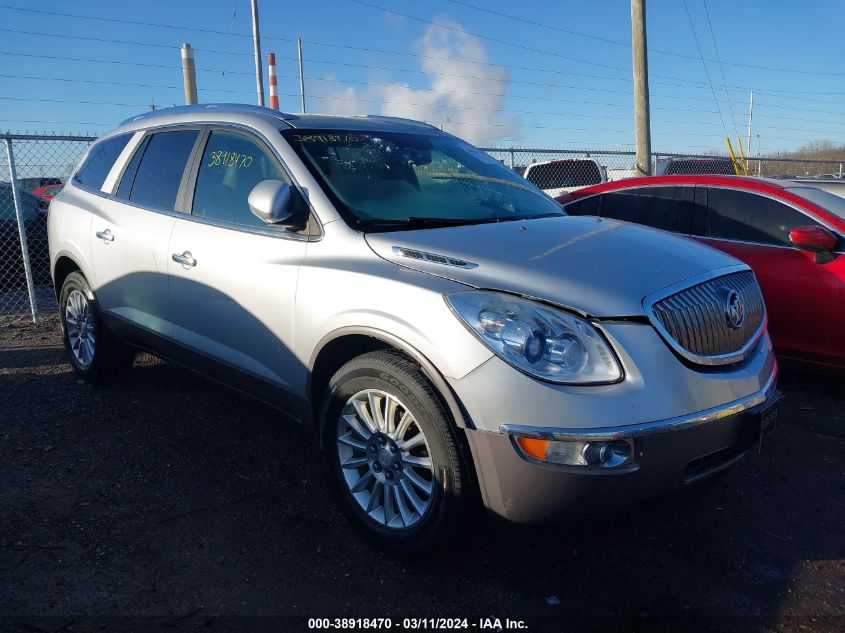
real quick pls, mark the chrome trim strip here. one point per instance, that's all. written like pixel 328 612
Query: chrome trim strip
pixel 762 244
pixel 648 428
pixel 710 361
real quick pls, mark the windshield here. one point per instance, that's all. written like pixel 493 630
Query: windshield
pixel 826 200
pixel 382 180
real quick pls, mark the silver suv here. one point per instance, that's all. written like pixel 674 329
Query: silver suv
pixel 449 332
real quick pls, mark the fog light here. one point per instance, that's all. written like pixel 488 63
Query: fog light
pixel 599 454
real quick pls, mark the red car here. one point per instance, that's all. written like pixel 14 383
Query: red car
pixel 791 234
pixel 48 191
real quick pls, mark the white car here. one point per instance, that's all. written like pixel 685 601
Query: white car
pixel 565 175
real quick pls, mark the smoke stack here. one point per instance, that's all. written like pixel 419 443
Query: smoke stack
pixel 274 91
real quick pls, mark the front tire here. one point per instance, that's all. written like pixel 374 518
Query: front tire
pixel 93 354
pixel 391 455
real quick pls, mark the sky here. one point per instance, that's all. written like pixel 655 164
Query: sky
pixel 499 74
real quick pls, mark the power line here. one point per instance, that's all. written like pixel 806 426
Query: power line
pixel 452 107
pixel 703 86
pixel 116 83
pixel 721 70
pixel 229 38
pixel 511 96
pixel 540 24
pixel 382 51
pixel 48 100
pixel 626 44
pixel 110 41
pixel 706 71
pixel 134 22
pixel 488 38
pixel 120 62
pixel 56 122
pixel 115 61
pixel 349 47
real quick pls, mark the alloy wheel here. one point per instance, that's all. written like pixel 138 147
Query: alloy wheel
pixel 385 459
pixel 79 320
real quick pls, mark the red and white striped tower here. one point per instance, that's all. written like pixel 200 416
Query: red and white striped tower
pixel 274 91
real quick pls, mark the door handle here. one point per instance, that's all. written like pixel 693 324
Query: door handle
pixel 106 235
pixel 186 259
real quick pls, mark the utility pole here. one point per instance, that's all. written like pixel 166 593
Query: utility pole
pixel 750 117
pixel 642 116
pixel 189 75
pixel 301 75
pixel 256 41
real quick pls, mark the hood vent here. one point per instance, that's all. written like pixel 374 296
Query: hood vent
pixel 434 258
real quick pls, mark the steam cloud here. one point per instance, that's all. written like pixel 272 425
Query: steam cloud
pixel 464 97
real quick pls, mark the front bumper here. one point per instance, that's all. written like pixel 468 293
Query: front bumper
pixel 668 455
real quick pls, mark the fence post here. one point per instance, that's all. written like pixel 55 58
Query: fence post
pixel 13 176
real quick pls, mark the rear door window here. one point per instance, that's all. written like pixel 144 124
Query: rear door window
pixel 161 168
pixel 749 217
pixel 97 165
pixel 663 208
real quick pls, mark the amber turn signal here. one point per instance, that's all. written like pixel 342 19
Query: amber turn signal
pixel 533 448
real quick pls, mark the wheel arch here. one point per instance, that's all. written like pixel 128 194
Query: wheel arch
pixel 344 344
pixel 65 265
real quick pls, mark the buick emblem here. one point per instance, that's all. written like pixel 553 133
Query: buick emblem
pixel 734 309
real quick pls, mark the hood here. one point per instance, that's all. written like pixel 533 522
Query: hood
pixel 596 266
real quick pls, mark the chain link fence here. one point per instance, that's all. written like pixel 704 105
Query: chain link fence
pixel 559 170
pixel 33 169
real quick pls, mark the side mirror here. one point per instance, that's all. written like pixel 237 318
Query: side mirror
pixel 815 239
pixel 271 201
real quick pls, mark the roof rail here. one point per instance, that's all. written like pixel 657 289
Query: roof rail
pixel 211 107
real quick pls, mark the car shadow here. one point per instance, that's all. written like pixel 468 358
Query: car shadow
pixel 163 497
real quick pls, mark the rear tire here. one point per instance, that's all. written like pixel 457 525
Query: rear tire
pixel 391 455
pixel 92 352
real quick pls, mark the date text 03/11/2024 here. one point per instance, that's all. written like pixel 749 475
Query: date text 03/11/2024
pixel 413 624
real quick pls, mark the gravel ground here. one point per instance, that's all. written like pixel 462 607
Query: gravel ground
pixel 163 502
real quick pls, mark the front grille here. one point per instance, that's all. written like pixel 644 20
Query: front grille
pixel 697 320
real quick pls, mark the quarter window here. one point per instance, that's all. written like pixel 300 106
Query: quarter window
pixel 125 186
pixel 232 164
pixel 160 170
pixel 659 207
pixel 97 165
pixel 748 217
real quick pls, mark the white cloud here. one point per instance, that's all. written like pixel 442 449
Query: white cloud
pixel 465 93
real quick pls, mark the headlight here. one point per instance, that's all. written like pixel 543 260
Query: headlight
pixel 541 341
